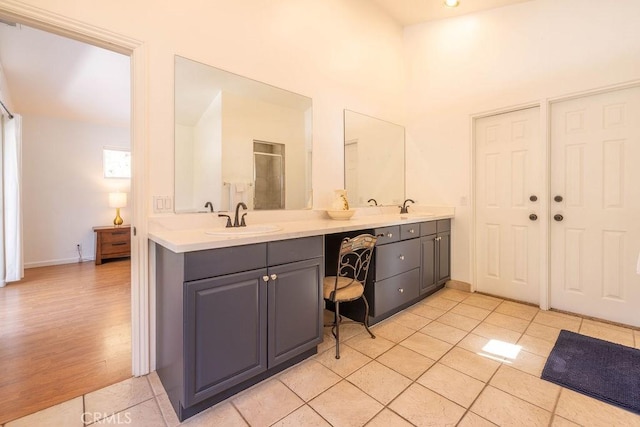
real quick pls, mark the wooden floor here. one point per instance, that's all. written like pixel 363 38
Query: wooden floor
pixel 64 331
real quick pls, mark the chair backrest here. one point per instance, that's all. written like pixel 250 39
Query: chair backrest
pixel 355 256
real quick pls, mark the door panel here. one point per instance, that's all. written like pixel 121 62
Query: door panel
pixel 595 152
pixel 509 169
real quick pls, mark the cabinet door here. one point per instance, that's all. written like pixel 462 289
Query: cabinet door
pixel 428 280
pixel 295 309
pixel 225 330
pixel 444 257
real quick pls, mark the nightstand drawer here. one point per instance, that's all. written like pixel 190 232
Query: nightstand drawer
pixel 116 236
pixel 111 248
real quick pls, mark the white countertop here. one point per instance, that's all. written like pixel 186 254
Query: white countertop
pixel 191 234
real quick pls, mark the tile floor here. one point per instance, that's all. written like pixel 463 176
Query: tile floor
pixel 448 360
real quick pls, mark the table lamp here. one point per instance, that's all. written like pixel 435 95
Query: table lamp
pixel 117 200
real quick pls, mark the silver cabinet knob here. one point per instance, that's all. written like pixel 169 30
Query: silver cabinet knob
pixel 274 276
pixel 389 235
pixel 265 278
pixel 400 290
pixel 402 257
pixel 412 231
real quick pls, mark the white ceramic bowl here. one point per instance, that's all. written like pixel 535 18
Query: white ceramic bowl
pixel 341 215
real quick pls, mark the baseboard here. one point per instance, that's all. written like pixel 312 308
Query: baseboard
pixel 459 285
pixel 55 262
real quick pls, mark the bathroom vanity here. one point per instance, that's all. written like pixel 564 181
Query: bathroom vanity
pixel 234 310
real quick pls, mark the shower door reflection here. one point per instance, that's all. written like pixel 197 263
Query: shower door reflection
pixel 268 171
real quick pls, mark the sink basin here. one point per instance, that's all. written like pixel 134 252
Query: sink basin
pixel 243 231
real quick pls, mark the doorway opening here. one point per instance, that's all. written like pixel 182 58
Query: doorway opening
pixel 268 175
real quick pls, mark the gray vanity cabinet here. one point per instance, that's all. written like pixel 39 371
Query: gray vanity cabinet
pixel 228 318
pixel 435 244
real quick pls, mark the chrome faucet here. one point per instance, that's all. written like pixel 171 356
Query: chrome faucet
pixel 404 208
pixel 240 223
pixel 209 205
pixel 375 202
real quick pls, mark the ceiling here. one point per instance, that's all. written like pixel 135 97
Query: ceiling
pixel 51 75
pixel 410 12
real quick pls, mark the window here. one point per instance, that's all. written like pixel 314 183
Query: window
pixel 116 163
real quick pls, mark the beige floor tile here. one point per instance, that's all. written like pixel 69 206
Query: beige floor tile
pixel 483 301
pixel 441 303
pixel 488 330
pixel 69 413
pixel 457 321
pixel 452 384
pixel 430 347
pixel 473 420
pixel 444 332
pixel 379 381
pixel 392 331
pixel 453 294
pixel 607 332
pixel 424 310
pixel 223 414
pixel 587 411
pixel 309 378
pixel 410 320
pixel 470 311
pixel 474 365
pixel 372 347
pixel 423 407
pixel 303 416
pixel 536 345
pixel 508 322
pixel 527 387
pixel 118 397
pixel 167 411
pixel 145 414
pixel 155 383
pixel 350 360
pixel 387 418
pixel 558 320
pixel 405 361
pixel 562 422
pixel 544 332
pixel 474 343
pixel 328 341
pixel 346 405
pixel 529 363
pixel 514 309
pixel 266 403
pixel 507 410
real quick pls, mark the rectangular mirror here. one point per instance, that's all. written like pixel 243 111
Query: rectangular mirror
pixel 373 160
pixel 239 140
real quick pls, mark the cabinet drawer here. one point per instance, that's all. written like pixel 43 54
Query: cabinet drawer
pixel 397 258
pixel 427 228
pixel 395 291
pixel 115 248
pixel 409 231
pixel 115 236
pixel 218 262
pixel 389 234
pixel 443 225
pixel 293 250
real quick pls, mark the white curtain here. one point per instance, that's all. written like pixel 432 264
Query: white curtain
pixel 11 252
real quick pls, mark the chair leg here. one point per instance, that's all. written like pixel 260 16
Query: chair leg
pixel 366 317
pixel 337 334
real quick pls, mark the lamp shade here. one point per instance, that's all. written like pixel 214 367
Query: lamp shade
pixel 117 200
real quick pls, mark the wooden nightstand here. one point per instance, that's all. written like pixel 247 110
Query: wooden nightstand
pixel 112 242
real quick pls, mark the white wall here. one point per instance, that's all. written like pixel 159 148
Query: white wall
pixel 341 53
pixel 64 192
pixel 504 57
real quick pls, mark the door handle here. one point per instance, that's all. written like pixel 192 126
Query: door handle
pixel 533 217
pixel 558 198
pixel 558 217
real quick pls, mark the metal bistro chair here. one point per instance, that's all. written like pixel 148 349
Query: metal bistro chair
pixel 350 279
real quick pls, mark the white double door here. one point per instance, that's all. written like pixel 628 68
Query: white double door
pixel 587 230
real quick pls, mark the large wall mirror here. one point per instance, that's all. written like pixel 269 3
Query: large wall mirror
pixel 239 140
pixel 374 160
